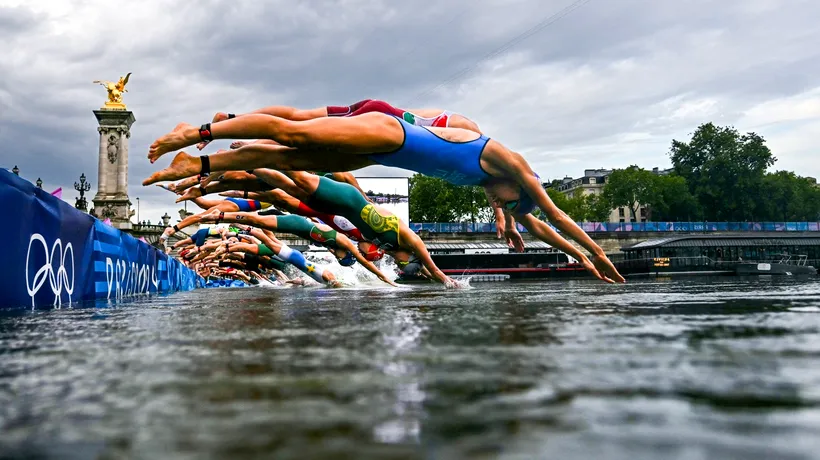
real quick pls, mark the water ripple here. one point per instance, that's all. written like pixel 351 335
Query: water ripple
pixel 696 368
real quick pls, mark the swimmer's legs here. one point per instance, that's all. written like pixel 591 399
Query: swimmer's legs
pixel 368 133
pixel 261 156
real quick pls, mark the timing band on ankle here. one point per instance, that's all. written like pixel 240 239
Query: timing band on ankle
pixel 205 171
pixel 231 115
pixel 205 133
pixel 176 228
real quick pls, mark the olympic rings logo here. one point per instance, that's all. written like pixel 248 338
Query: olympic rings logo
pixel 59 279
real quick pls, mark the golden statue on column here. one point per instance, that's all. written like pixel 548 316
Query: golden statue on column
pixel 115 91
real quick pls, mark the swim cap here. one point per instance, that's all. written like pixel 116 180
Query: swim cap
pixel 348 260
pixel 525 203
pixel 373 253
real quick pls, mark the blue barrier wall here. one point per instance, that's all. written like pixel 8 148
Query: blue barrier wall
pixel 54 254
pixel 659 227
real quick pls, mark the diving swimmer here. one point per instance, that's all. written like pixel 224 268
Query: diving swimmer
pixel 459 156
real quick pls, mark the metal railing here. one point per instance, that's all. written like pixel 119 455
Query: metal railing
pixel 649 227
pixel 661 264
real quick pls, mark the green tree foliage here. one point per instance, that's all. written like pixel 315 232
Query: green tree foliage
pixel 787 197
pixel 630 188
pixel 672 201
pixel 724 170
pixel 719 175
pixel 598 208
pixel 581 207
pixel 435 200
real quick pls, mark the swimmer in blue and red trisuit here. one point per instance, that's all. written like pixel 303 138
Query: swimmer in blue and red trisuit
pixel 505 226
pixel 419 117
pixel 459 156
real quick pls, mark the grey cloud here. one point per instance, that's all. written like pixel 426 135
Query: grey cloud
pixel 200 57
pixel 17 20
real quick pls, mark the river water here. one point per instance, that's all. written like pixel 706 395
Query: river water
pixel 665 369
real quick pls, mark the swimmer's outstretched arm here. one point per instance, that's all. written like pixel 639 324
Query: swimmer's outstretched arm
pixel 514 239
pixel 545 233
pixel 532 186
pixel 412 242
pixel 505 225
pixel 280 275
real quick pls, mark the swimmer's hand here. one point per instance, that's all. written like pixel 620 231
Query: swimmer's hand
pixel 514 239
pixel 590 267
pixel 607 269
pixel 389 282
pixel 450 283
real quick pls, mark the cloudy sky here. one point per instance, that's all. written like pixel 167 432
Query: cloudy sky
pixel 609 84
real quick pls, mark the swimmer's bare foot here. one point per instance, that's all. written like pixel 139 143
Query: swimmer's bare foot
pixel 237 144
pixel 182 136
pixel 183 165
pixel 190 194
pixel 170 187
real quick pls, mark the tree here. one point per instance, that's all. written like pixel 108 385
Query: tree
pixel 672 201
pixel 598 208
pixel 573 205
pixel 785 196
pixel 429 200
pixel 630 188
pixel 724 170
pixel 436 200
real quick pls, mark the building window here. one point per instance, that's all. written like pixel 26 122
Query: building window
pixel 591 180
pixel 621 214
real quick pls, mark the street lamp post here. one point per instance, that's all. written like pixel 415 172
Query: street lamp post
pixel 138 210
pixel 82 187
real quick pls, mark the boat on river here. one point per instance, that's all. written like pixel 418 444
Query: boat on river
pixel 787 265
